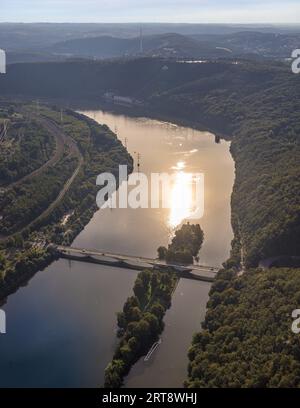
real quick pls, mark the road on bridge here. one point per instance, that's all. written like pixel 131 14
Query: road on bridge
pixel 207 272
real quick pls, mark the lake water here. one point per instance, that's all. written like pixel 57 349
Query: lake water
pixel 61 326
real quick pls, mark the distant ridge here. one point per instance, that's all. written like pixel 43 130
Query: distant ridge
pixel 164 45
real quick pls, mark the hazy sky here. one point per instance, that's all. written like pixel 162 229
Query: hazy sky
pixel 219 11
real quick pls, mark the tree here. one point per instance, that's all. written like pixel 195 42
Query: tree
pixel 140 290
pixel 157 310
pixel 2 261
pixel 153 323
pixel 162 252
pixel 114 374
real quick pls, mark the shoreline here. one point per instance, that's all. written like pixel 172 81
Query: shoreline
pixel 18 278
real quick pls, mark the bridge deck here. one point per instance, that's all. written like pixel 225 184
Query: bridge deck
pixel 196 272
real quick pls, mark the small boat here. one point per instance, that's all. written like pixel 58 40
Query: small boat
pixel 151 351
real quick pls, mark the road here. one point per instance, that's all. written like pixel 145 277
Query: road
pixel 136 262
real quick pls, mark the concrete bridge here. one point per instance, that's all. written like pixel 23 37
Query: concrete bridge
pixel 196 272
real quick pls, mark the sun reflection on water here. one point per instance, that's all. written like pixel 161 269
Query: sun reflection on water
pixel 179 166
pixel 181 197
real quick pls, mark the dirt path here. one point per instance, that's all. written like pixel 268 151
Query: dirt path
pixel 59 149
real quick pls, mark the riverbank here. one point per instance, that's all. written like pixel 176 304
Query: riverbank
pixel 24 271
pixel 47 227
pixel 137 111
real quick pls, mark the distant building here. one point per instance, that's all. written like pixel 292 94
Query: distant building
pixel 123 100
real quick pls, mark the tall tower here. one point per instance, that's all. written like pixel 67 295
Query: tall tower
pixel 141 41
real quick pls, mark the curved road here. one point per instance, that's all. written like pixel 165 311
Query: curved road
pixel 59 149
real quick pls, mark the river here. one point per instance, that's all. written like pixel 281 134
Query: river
pixel 61 326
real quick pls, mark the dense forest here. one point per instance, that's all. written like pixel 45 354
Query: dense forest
pixel 141 322
pixel 26 147
pixel 21 205
pixel 247 338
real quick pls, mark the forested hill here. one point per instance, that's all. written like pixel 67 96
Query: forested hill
pixel 142 78
pixel 247 339
pixel 257 105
